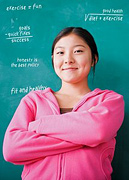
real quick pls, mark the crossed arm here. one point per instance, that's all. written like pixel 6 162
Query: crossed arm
pixel 22 146
pixel 28 140
pixel 90 127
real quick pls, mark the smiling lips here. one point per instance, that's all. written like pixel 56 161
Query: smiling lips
pixel 70 68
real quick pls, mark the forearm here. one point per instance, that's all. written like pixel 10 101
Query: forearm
pixel 23 147
pixel 91 127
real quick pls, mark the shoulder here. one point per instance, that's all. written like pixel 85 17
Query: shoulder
pixel 34 96
pixel 108 94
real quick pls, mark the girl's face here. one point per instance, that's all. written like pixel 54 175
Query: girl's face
pixel 72 59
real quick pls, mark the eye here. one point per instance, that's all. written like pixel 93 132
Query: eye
pixel 78 51
pixel 60 52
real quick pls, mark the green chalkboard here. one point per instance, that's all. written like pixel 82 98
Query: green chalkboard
pixel 27 30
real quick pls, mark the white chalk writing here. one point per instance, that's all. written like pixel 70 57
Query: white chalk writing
pixel 27 89
pixel 25 63
pixel 106 15
pixel 22 35
pixel 24 7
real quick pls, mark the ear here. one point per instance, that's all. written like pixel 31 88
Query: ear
pixel 96 60
pixel 52 56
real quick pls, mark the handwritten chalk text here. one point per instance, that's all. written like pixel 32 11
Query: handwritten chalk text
pixel 16 90
pixel 106 15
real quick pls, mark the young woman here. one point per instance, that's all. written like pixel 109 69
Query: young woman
pixel 68 134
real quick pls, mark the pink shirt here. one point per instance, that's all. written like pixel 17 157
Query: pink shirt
pixel 77 145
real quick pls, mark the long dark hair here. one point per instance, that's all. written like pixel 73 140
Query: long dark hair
pixel 85 35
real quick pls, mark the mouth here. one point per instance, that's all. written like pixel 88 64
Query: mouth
pixel 69 69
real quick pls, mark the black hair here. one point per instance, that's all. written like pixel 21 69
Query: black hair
pixel 85 35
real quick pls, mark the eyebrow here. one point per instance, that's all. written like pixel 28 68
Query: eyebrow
pixel 73 46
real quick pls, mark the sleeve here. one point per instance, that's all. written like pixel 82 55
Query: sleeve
pixel 90 127
pixel 21 146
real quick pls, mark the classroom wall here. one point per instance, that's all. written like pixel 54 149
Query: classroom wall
pixel 27 30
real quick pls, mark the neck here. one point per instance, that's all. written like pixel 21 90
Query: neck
pixel 75 89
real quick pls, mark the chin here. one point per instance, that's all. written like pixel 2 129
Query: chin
pixel 71 81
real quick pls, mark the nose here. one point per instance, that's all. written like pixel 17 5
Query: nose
pixel 69 59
